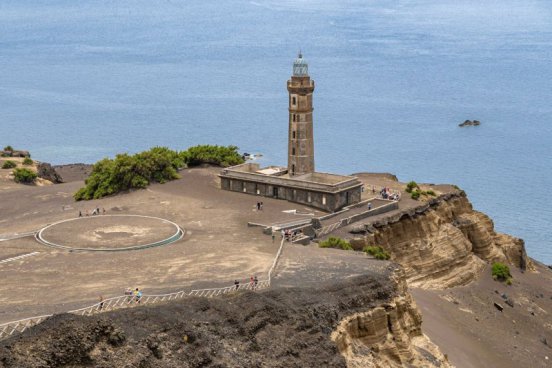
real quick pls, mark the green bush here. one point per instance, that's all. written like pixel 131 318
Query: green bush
pixel 377 252
pixel 24 176
pixel 333 242
pixel 9 164
pixel 27 161
pixel 410 186
pixel 213 155
pixel 501 272
pixel 8 148
pixel 415 194
pixel 159 164
pixel 430 192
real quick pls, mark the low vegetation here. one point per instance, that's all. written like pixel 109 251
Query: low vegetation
pixel 501 272
pixel 9 164
pixel 8 148
pixel 334 242
pixel 214 155
pixel 24 176
pixel 376 252
pixel 157 165
pixel 27 161
pixel 416 192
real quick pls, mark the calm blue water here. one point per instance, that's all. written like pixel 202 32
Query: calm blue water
pixel 394 78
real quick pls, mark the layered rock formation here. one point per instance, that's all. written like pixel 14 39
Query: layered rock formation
pixel 388 336
pixel 442 243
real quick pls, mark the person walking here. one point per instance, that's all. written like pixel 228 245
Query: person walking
pixel 261 206
pixel 255 281
pixel 273 236
pixel 80 213
pixel 237 284
pixel 137 295
pixel 251 282
pixel 101 302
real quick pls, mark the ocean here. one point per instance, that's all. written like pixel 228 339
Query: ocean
pixel 80 81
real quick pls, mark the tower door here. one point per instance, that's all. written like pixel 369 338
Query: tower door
pixel 275 192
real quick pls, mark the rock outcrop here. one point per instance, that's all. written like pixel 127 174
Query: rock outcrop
pixel 282 327
pixel 442 243
pixel 388 336
pixel 47 172
pixel 469 123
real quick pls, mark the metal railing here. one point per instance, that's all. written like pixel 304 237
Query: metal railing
pixel 128 301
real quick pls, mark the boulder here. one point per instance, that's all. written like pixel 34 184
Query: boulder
pixel 470 123
pixel 46 171
pixel 20 153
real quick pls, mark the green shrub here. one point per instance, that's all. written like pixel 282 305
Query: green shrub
pixel 27 161
pixel 159 164
pixel 501 272
pixel 9 164
pixel 213 155
pixel 333 242
pixel 430 192
pixel 24 176
pixel 415 194
pixel 377 252
pixel 410 186
pixel 8 148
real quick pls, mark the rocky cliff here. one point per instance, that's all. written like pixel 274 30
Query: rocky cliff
pixel 443 242
pixel 388 336
pixel 372 320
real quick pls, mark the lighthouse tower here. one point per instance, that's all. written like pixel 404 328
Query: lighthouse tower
pixel 301 142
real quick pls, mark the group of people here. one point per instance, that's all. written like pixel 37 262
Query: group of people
pixel 94 213
pixel 133 295
pixel 386 193
pixel 259 206
pixel 290 235
pixel 253 281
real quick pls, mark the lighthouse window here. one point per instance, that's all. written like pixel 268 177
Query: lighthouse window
pixel 293 101
pixel 293 151
pixel 293 134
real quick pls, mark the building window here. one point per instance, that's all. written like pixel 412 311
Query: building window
pixel 293 117
pixel 293 151
pixel 293 169
pixel 309 199
pixel 293 134
pixel 293 101
pixel 323 199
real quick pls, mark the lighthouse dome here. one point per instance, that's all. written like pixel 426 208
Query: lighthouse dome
pixel 300 67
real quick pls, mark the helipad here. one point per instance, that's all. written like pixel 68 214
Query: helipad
pixel 110 233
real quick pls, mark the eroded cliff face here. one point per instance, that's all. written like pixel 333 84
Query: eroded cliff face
pixel 388 336
pixel 444 242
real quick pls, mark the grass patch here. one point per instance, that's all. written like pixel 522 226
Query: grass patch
pixel 24 176
pixel 501 272
pixel 9 164
pixel 334 242
pixel 377 252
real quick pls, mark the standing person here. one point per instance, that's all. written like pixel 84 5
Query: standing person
pixel 251 282
pixel 369 206
pixel 283 233
pixel 237 284
pixel 256 281
pixel 103 210
pixel 101 302
pixel 261 206
pixel 80 213
pixel 137 295
pixel 273 236
pixel 258 206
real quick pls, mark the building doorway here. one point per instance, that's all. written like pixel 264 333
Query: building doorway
pixel 275 192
